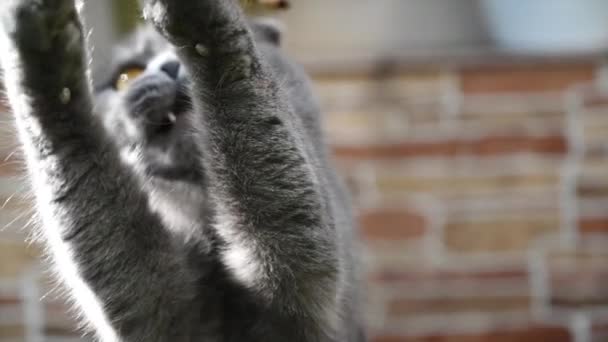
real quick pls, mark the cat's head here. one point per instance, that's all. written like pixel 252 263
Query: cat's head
pixel 143 98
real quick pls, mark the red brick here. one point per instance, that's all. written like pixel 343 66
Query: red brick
pixel 592 180
pixel 578 276
pixel 593 96
pixel 579 289
pixel 525 79
pixel 536 333
pixel 599 331
pixel 391 276
pixel 595 190
pixel 440 290
pixel 413 307
pixel 499 235
pixel 6 301
pixel 392 224
pixel 593 225
pixel 485 146
pixel 394 255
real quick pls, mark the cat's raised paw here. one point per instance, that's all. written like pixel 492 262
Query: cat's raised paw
pixel 39 25
pixel 169 17
pixel 184 22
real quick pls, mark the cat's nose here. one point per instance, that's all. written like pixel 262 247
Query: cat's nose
pixel 171 68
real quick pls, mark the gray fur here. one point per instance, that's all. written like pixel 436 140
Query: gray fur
pixel 225 224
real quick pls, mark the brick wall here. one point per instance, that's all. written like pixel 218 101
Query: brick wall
pixel 482 193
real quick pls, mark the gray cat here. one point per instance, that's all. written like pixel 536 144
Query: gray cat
pixel 188 197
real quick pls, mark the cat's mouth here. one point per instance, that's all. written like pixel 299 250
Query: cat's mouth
pixel 167 123
pixel 158 102
pixel 180 107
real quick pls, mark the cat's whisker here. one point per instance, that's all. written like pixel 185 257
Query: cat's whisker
pixel 17 218
pixel 8 200
pixel 10 155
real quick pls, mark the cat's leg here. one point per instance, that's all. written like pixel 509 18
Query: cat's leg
pixel 121 265
pixel 271 197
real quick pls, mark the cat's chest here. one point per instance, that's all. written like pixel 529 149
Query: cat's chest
pixel 181 206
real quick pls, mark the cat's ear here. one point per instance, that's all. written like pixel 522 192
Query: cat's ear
pixel 268 30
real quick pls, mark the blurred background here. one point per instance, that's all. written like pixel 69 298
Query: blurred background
pixel 474 137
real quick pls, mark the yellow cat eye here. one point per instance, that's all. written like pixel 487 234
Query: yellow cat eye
pixel 126 77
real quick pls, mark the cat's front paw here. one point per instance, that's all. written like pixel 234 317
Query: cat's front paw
pixel 43 50
pixel 156 12
pixel 169 17
pixel 38 26
pixel 194 21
